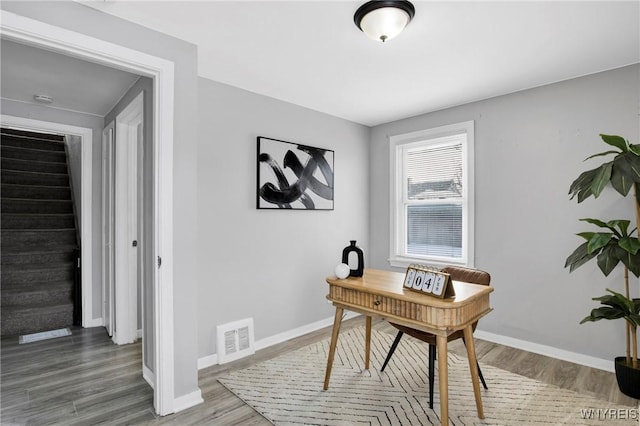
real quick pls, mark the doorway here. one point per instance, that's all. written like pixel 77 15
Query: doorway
pixel 38 34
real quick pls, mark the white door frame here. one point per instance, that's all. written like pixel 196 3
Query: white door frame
pixel 108 137
pixel 39 34
pixel 86 223
pixel 127 228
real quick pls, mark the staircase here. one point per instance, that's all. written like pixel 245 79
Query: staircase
pixel 38 239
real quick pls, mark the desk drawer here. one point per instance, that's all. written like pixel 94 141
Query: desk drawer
pixel 453 318
pixel 381 304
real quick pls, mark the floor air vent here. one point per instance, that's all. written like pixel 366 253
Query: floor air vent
pixel 235 340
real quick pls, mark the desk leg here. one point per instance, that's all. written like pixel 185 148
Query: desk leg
pixel 473 367
pixel 443 378
pixel 367 342
pixel 332 348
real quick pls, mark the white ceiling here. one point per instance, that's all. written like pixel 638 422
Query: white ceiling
pixel 73 84
pixel 311 53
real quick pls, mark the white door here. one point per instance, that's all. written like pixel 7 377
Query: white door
pixel 128 140
pixel 108 228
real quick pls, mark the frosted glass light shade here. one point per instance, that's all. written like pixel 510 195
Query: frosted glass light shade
pixel 384 24
pixel 383 20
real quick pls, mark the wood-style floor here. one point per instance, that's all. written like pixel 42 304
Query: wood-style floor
pixel 84 379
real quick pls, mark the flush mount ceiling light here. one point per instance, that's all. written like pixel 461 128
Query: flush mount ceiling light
pixel 383 20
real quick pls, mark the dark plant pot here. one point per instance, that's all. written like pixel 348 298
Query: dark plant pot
pixel 628 378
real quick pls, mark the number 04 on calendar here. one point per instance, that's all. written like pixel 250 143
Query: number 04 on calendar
pixel 428 280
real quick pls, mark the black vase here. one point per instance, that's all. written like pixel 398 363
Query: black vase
pixel 352 248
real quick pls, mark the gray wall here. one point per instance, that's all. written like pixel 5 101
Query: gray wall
pixel 146 241
pixel 269 264
pixel 88 21
pixel 43 113
pixel 529 147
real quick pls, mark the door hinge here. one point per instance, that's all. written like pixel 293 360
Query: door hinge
pixel 159 261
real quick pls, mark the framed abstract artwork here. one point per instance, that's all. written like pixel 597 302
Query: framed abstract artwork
pixel 293 176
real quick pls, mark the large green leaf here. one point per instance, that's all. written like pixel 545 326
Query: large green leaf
pixel 620 181
pixel 630 244
pixel 601 179
pixel 582 185
pixel 617 141
pixel 625 172
pixel 633 161
pixel 631 261
pixel 604 312
pixel 616 300
pixel 621 224
pixel 607 259
pixel 635 149
pixel 586 235
pixel 602 154
pixel 598 240
pixel 579 257
pixel 597 222
pixel 616 306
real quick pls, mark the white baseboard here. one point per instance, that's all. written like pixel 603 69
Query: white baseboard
pixel 94 322
pixel 149 376
pixel 209 360
pixel 187 401
pixel 550 351
pixel 300 331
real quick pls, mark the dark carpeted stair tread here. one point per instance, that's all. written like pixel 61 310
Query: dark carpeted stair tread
pixel 33 166
pixel 35 318
pixel 36 294
pixel 35 286
pixel 37 192
pixel 25 258
pixel 31 154
pixel 45 306
pixel 25 134
pixel 35 250
pixel 21 205
pixel 16 238
pixel 37 221
pixel 26 275
pixel 23 177
pixel 37 267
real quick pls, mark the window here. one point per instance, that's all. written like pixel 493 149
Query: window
pixel 432 196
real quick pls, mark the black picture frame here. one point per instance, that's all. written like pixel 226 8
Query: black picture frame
pixel 293 176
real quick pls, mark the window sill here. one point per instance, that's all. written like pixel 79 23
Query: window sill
pixel 404 262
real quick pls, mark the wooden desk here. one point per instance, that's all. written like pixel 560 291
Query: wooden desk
pixel 381 294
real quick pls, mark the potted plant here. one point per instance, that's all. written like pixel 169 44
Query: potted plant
pixel 614 244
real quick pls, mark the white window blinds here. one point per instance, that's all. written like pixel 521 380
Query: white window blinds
pixel 433 200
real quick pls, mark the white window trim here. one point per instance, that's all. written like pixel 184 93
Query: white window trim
pixel 396 258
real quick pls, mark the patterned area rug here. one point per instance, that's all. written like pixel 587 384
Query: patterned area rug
pixel 288 390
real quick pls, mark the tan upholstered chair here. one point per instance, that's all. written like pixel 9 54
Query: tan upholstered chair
pixel 457 273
